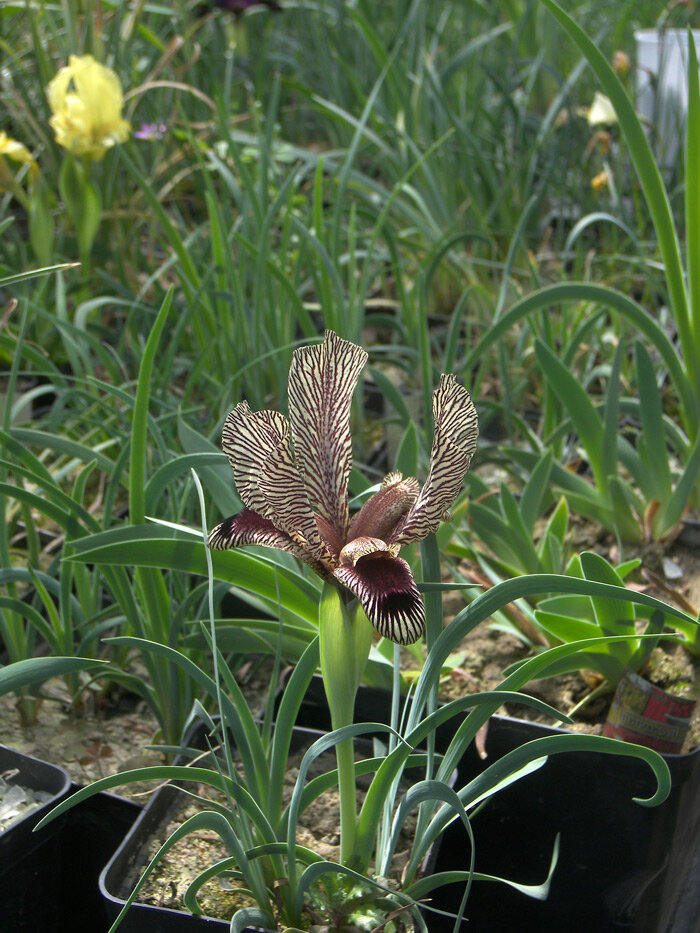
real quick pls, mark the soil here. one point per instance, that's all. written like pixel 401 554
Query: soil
pixel 90 743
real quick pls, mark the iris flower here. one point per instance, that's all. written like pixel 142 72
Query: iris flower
pixel 86 103
pixel 17 152
pixel 292 475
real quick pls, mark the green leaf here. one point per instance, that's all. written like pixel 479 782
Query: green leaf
pixel 611 417
pixel 82 202
pixel 41 223
pixel 155 546
pixel 613 616
pixel 534 492
pixel 671 511
pixel 559 521
pixel 139 427
pixel 654 192
pixel 616 301
pixel 625 522
pixel 393 395
pixel 407 453
pixel 495 533
pixel 585 418
pixel 518 531
pixel 565 628
pixel 33 671
pixel 652 425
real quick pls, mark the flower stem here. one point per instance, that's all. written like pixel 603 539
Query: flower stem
pixel 345 641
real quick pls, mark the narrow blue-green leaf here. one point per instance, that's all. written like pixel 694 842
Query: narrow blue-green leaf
pixel 565 628
pixel 580 408
pixel 651 412
pixel 235 710
pixel 671 511
pixel 607 297
pixel 156 546
pixel 534 492
pixel 429 883
pixel 139 439
pixel 64 445
pixel 33 671
pixel 611 417
pixel 615 617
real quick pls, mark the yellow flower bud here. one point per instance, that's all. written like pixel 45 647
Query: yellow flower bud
pixel 600 181
pixel 621 63
pixel 86 102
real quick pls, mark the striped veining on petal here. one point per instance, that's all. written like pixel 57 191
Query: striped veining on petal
pixel 248 438
pixel 382 512
pixel 249 528
pixel 454 442
pixel 285 494
pixel 322 380
pixel 388 594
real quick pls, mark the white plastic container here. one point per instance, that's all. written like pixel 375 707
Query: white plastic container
pixel 662 88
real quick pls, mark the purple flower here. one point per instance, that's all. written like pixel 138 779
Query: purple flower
pixel 150 131
pixel 292 475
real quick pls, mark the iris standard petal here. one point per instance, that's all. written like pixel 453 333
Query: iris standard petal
pixel 257 446
pixel 322 380
pixel 382 512
pixel 387 592
pixel 247 439
pixel 454 442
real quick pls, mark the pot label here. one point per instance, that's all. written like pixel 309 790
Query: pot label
pixel 645 714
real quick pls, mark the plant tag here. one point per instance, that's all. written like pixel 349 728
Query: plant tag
pixel 645 714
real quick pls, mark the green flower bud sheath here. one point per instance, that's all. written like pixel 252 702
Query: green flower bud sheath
pixel 345 642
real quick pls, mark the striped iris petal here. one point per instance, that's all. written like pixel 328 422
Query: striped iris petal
pixel 322 380
pixel 454 442
pixel 285 496
pixel 382 512
pixel 250 528
pixel 387 592
pixel 267 480
pixel 248 438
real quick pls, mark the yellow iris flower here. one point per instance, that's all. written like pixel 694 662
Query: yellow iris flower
pixel 17 152
pixel 86 101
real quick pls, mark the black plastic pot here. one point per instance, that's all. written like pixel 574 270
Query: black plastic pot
pixel 21 850
pixel 49 879
pixel 117 876
pixel 621 866
pixel 120 873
